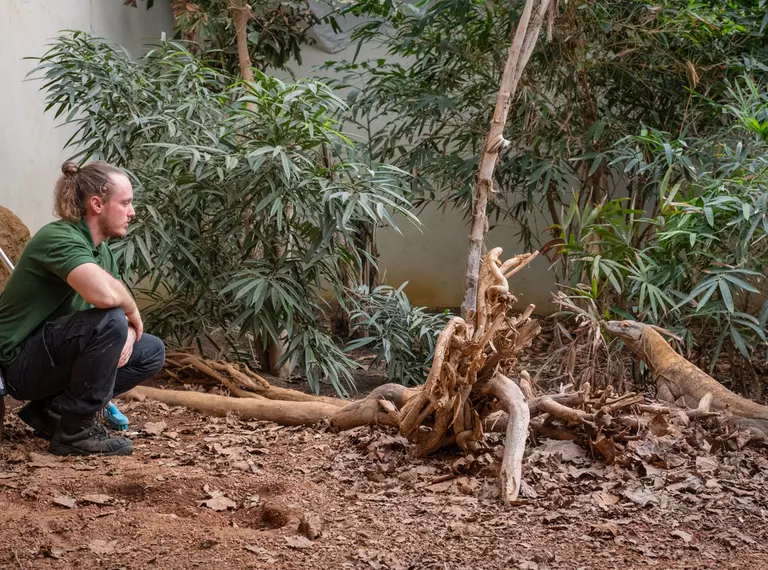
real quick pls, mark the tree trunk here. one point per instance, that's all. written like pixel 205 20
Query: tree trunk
pixel 241 13
pixel 526 34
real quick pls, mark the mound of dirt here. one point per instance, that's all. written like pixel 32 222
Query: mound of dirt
pixel 14 236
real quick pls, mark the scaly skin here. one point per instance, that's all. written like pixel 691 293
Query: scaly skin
pixel 675 377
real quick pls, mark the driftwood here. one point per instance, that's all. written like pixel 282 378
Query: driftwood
pixel 467 381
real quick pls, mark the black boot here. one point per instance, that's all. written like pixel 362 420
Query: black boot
pixel 41 416
pixel 86 436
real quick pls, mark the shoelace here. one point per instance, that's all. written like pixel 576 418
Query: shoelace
pixel 98 430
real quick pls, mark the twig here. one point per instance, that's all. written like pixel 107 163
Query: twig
pixel 623 402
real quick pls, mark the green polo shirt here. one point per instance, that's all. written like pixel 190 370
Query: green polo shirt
pixel 37 291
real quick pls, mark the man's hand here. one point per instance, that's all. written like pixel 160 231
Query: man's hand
pixel 134 318
pixel 125 356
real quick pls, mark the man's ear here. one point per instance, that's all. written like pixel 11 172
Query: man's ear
pixel 96 204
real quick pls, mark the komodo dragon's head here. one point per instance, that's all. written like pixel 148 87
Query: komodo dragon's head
pixel 645 340
pixel 631 332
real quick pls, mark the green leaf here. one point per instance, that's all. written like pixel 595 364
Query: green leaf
pixel 595 165
pixel 740 283
pixel 725 293
pixel 709 215
pixel 739 343
pixel 707 295
pixel 763 317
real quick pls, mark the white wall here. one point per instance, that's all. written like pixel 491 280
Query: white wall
pixel 31 149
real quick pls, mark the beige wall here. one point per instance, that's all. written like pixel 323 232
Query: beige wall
pixel 30 147
pixel 432 259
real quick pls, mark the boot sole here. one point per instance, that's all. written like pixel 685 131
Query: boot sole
pixel 64 450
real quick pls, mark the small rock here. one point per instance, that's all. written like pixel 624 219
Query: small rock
pixel 311 526
pixel 298 542
pixel 219 503
pixel 65 501
pixel 97 499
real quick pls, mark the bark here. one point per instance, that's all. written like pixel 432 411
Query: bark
pixel 241 13
pixel 526 34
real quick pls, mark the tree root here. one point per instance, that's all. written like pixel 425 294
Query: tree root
pixel 289 413
pixel 512 400
pixel 469 367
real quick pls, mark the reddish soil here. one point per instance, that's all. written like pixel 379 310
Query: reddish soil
pixel 376 508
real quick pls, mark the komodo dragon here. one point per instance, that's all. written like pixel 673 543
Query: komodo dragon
pixel 675 378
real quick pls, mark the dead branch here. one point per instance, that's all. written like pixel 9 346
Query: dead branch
pixel 513 402
pixel 526 34
pixel 186 367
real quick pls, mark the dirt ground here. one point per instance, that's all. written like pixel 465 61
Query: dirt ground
pixel 204 492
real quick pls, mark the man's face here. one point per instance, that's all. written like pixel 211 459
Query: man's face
pixel 117 211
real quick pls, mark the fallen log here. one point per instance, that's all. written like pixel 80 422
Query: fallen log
pixel 286 413
pixel 372 410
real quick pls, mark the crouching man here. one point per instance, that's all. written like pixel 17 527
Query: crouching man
pixel 71 337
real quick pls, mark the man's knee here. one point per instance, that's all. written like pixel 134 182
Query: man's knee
pixel 154 353
pixel 113 324
pixel 147 360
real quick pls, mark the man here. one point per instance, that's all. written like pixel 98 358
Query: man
pixel 71 336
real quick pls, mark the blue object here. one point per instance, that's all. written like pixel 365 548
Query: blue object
pixel 115 418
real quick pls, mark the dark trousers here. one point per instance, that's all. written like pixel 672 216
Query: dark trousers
pixel 72 362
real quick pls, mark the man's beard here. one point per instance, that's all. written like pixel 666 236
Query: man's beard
pixel 110 231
